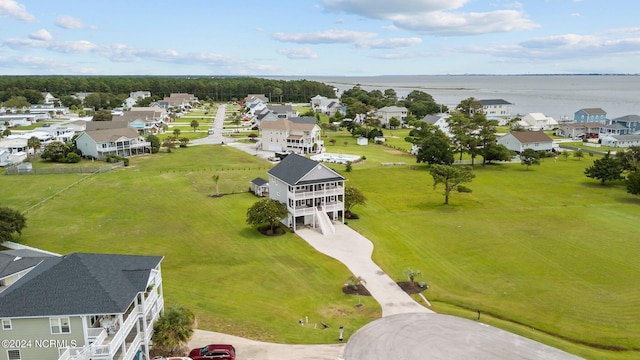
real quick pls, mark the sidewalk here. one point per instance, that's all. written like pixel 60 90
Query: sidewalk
pixel 354 250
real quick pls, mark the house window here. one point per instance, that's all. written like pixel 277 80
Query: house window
pixel 60 325
pixel 6 324
pixel 14 355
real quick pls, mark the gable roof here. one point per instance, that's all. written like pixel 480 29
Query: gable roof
pixel 293 168
pixel 593 111
pixel 116 123
pixel 108 135
pixel 525 137
pixel 433 118
pixel 630 137
pixel 628 118
pixel 79 283
pixel 287 124
pixel 494 102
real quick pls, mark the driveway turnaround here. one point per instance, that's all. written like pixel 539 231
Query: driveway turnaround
pixel 354 250
pixel 443 337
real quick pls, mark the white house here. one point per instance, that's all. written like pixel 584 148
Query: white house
pixel 260 187
pixel 497 108
pixel 300 134
pixel 438 120
pixel 82 306
pixel 520 140
pixel 538 121
pixel 386 113
pixel 327 106
pixel 121 141
pixel 14 145
pixel 313 193
pixel 620 140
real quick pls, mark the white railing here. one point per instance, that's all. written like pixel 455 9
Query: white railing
pixel 133 347
pixel 96 335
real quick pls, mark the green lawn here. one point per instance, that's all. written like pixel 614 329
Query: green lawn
pixel 545 252
pixel 235 280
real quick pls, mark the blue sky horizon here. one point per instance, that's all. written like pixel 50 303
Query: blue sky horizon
pixel 319 37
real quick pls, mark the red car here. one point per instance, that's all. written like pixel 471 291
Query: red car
pixel 214 351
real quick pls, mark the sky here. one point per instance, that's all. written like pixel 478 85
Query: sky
pixel 318 37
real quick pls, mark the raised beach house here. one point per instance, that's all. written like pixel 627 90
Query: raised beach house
pixel 82 306
pixel 313 193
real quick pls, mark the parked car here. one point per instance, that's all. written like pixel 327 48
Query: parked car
pixel 214 351
pixel 171 358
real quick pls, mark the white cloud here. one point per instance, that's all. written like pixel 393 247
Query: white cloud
pixel 382 9
pixel 436 17
pixel 71 23
pixel 41 34
pixel 389 43
pixel 324 37
pixel 562 47
pixel 10 8
pixel 444 23
pixel 300 53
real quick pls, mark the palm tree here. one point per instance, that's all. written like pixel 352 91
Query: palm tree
pixel 34 143
pixel 355 281
pixel 172 330
pixel 169 144
pixel 412 274
pixel 176 132
pixel 216 178
pixel 194 124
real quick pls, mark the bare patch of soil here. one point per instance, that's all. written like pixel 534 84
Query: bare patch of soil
pixel 411 288
pixel 360 290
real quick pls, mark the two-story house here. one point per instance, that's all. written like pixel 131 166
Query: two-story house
pixel 121 141
pixel 82 306
pixel 384 114
pixel 537 121
pixel 299 134
pixel 590 115
pixel 518 141
pixel 438 120
pixel 580 130
pixel 313 193
pixel 497 108
pixel 327 106
pixel 631 122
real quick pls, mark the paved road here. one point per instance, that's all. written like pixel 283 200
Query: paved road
pixel 218 125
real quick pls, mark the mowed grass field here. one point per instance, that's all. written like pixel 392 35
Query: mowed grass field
pixel 234 279
pixel 544 252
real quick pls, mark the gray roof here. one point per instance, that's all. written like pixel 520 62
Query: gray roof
pixel 110 135
pixel 293 168
pixel 615 127
pixel 259 181
pixel 303 119
pixel 628 118
pixel 116 123
pixel 79 283
pixel 631 137
pixel 494 102
pixel 432 118
pixel 14 261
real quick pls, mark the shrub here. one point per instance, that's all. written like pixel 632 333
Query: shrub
pixel 73 158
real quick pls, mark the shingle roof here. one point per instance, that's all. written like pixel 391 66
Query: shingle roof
pixel 79 283
pixel 107 135
pixel 287 124
pixel 13 261
pixel 628 118
pixel 259 181
pixel 116 123
pixel 293 168
pixel 494 102
pixel 630 137
pixel 526 137
pixel 303 119
pixel 593 111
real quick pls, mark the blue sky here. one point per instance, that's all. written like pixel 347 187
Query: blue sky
pixel 318 37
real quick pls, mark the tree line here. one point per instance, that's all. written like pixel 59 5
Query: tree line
pixel 205 88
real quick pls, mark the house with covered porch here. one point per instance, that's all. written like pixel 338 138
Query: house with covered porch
pixel 82 306
pixel 121 141
pixel 313 193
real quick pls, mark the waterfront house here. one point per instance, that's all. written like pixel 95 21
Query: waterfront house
pixel 497 108
pixel 82 306
pixel 518 141
pixel 313 193
pixel 590 115
pixel 298 134
pixel 631 122
pixel 384 114
pixel 120 141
